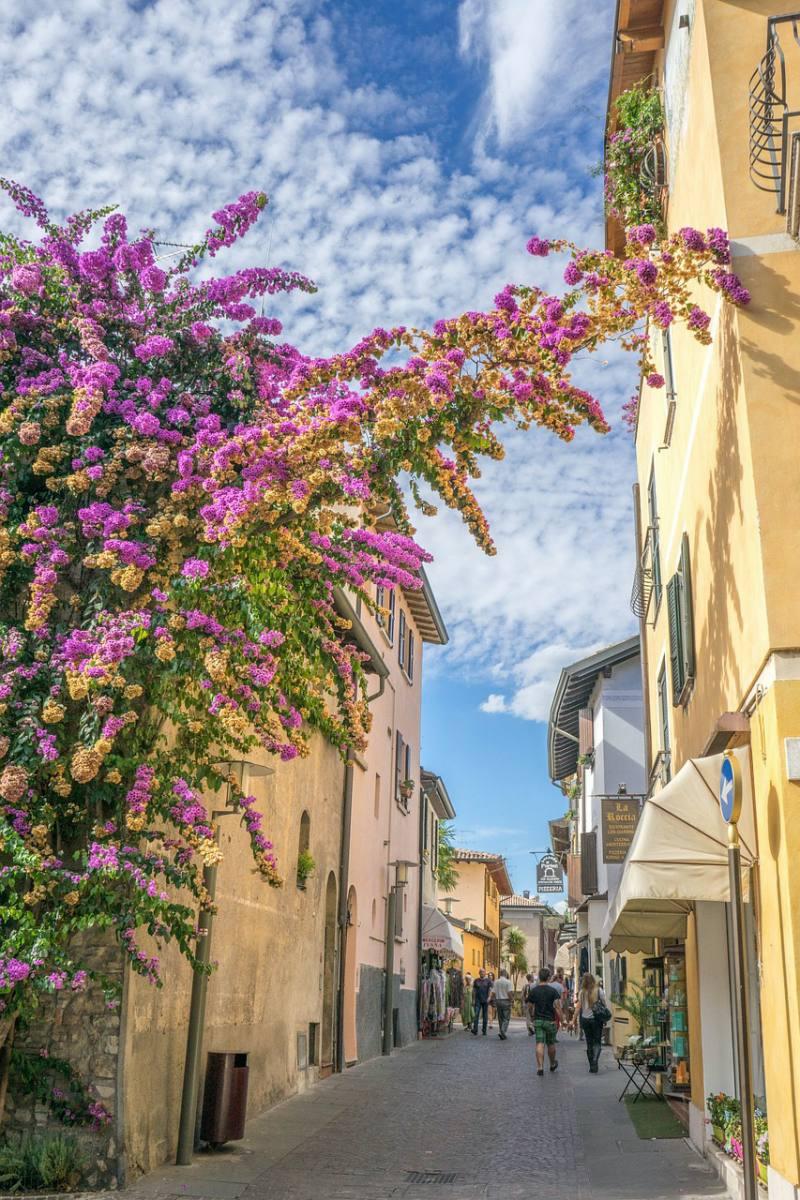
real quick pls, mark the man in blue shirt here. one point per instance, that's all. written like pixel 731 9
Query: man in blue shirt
pixel 481 990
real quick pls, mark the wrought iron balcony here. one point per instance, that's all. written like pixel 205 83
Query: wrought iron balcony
pixel 772 139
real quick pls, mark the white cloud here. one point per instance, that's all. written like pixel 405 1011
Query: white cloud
pixel 494 703
pixel 529 48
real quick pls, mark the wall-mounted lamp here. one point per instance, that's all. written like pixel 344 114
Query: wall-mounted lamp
pixel 622 790
pixel 401 866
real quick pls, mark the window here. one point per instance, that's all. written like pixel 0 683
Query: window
pixel 392 608
pixel 305 863
pixel 377 796
pixel 681 628
pixel 401 754
pixel 411 650
pixel 374 912
pixel 407 763
pixel 663 713
pixel 401 640
pixel 380 600
pixel 434 843
pixel 652 513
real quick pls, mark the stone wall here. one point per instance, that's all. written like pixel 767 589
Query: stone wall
pixel 79 1028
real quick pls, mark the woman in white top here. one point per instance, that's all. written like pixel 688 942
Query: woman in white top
pixel 591 1025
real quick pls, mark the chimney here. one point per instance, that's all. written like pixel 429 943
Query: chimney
pixel 526 894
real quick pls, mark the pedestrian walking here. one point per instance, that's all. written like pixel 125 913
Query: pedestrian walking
pixel 526 1005
pixel 467 1011
pixel 502 993
pixel 546 1004
pixel 481 990
pixel 593 1009
pixel 492 1009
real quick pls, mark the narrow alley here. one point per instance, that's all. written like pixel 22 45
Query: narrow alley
pixel 465 1115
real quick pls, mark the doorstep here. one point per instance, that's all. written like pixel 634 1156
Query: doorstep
pixel 729 1171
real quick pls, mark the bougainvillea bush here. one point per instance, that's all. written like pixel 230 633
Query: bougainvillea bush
pixel 181 492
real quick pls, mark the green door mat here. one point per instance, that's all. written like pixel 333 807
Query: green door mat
pixel 653 1118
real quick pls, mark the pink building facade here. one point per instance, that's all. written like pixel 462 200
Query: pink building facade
pixel 385 833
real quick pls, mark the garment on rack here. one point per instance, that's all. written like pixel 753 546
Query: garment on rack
pixel 455 995
pixel 432 999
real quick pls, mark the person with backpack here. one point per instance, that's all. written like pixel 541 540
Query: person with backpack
pixel 546 1004
pixel 594 1014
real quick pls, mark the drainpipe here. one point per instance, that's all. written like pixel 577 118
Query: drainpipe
pixel 197 1020
pixel 344 890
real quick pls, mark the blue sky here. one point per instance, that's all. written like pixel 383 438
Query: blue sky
pixel 409 150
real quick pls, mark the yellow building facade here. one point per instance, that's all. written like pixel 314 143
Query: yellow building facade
pixel 718 499
pixel 482 879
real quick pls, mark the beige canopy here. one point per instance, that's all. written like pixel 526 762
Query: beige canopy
pixel 679 854
pixel 439 934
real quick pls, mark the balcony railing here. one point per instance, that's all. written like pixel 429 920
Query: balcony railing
pixel 770 115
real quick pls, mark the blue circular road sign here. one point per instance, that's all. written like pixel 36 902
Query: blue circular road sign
pixel 730 789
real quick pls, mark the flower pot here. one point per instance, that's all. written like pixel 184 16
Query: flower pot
pixel 718 1134
pixel 762 1172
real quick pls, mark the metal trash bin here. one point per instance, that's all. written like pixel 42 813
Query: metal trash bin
pixel 224 1099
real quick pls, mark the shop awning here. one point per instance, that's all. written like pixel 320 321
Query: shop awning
pixel 679 854
pixel 438 934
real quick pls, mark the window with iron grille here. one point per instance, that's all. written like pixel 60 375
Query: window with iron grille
pixel 655 545
pixel 681 628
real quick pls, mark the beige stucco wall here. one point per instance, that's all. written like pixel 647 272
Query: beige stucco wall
pixel 268 944
pixel 530 922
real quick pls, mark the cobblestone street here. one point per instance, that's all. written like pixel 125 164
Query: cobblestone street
pixel 471 1112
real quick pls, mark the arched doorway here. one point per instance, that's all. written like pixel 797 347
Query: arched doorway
pixel 328 978
pixel 350 972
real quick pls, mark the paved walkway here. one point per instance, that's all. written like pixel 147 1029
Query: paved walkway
pixel 469 1110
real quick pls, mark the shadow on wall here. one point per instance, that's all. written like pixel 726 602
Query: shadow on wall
pixel 724 621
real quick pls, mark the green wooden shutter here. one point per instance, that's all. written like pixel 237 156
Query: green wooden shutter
pixel 675 648
pixel 687 615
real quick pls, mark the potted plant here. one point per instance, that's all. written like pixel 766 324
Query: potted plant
pixel 305 868
pixel 407 789
pixel 718 1114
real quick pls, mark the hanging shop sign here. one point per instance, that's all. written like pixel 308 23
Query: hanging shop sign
pixel 620 816
pixel 549 876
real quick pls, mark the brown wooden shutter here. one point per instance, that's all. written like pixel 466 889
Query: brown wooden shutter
pixel 585 731
pixel 589 863
pixel 574 889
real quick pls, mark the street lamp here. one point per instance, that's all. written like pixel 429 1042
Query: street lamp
pixel 239 772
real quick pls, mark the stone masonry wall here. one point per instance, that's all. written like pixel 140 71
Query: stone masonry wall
pixel 79 1028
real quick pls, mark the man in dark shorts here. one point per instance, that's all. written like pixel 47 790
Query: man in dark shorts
pixel 545 1002
pixel 481 989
